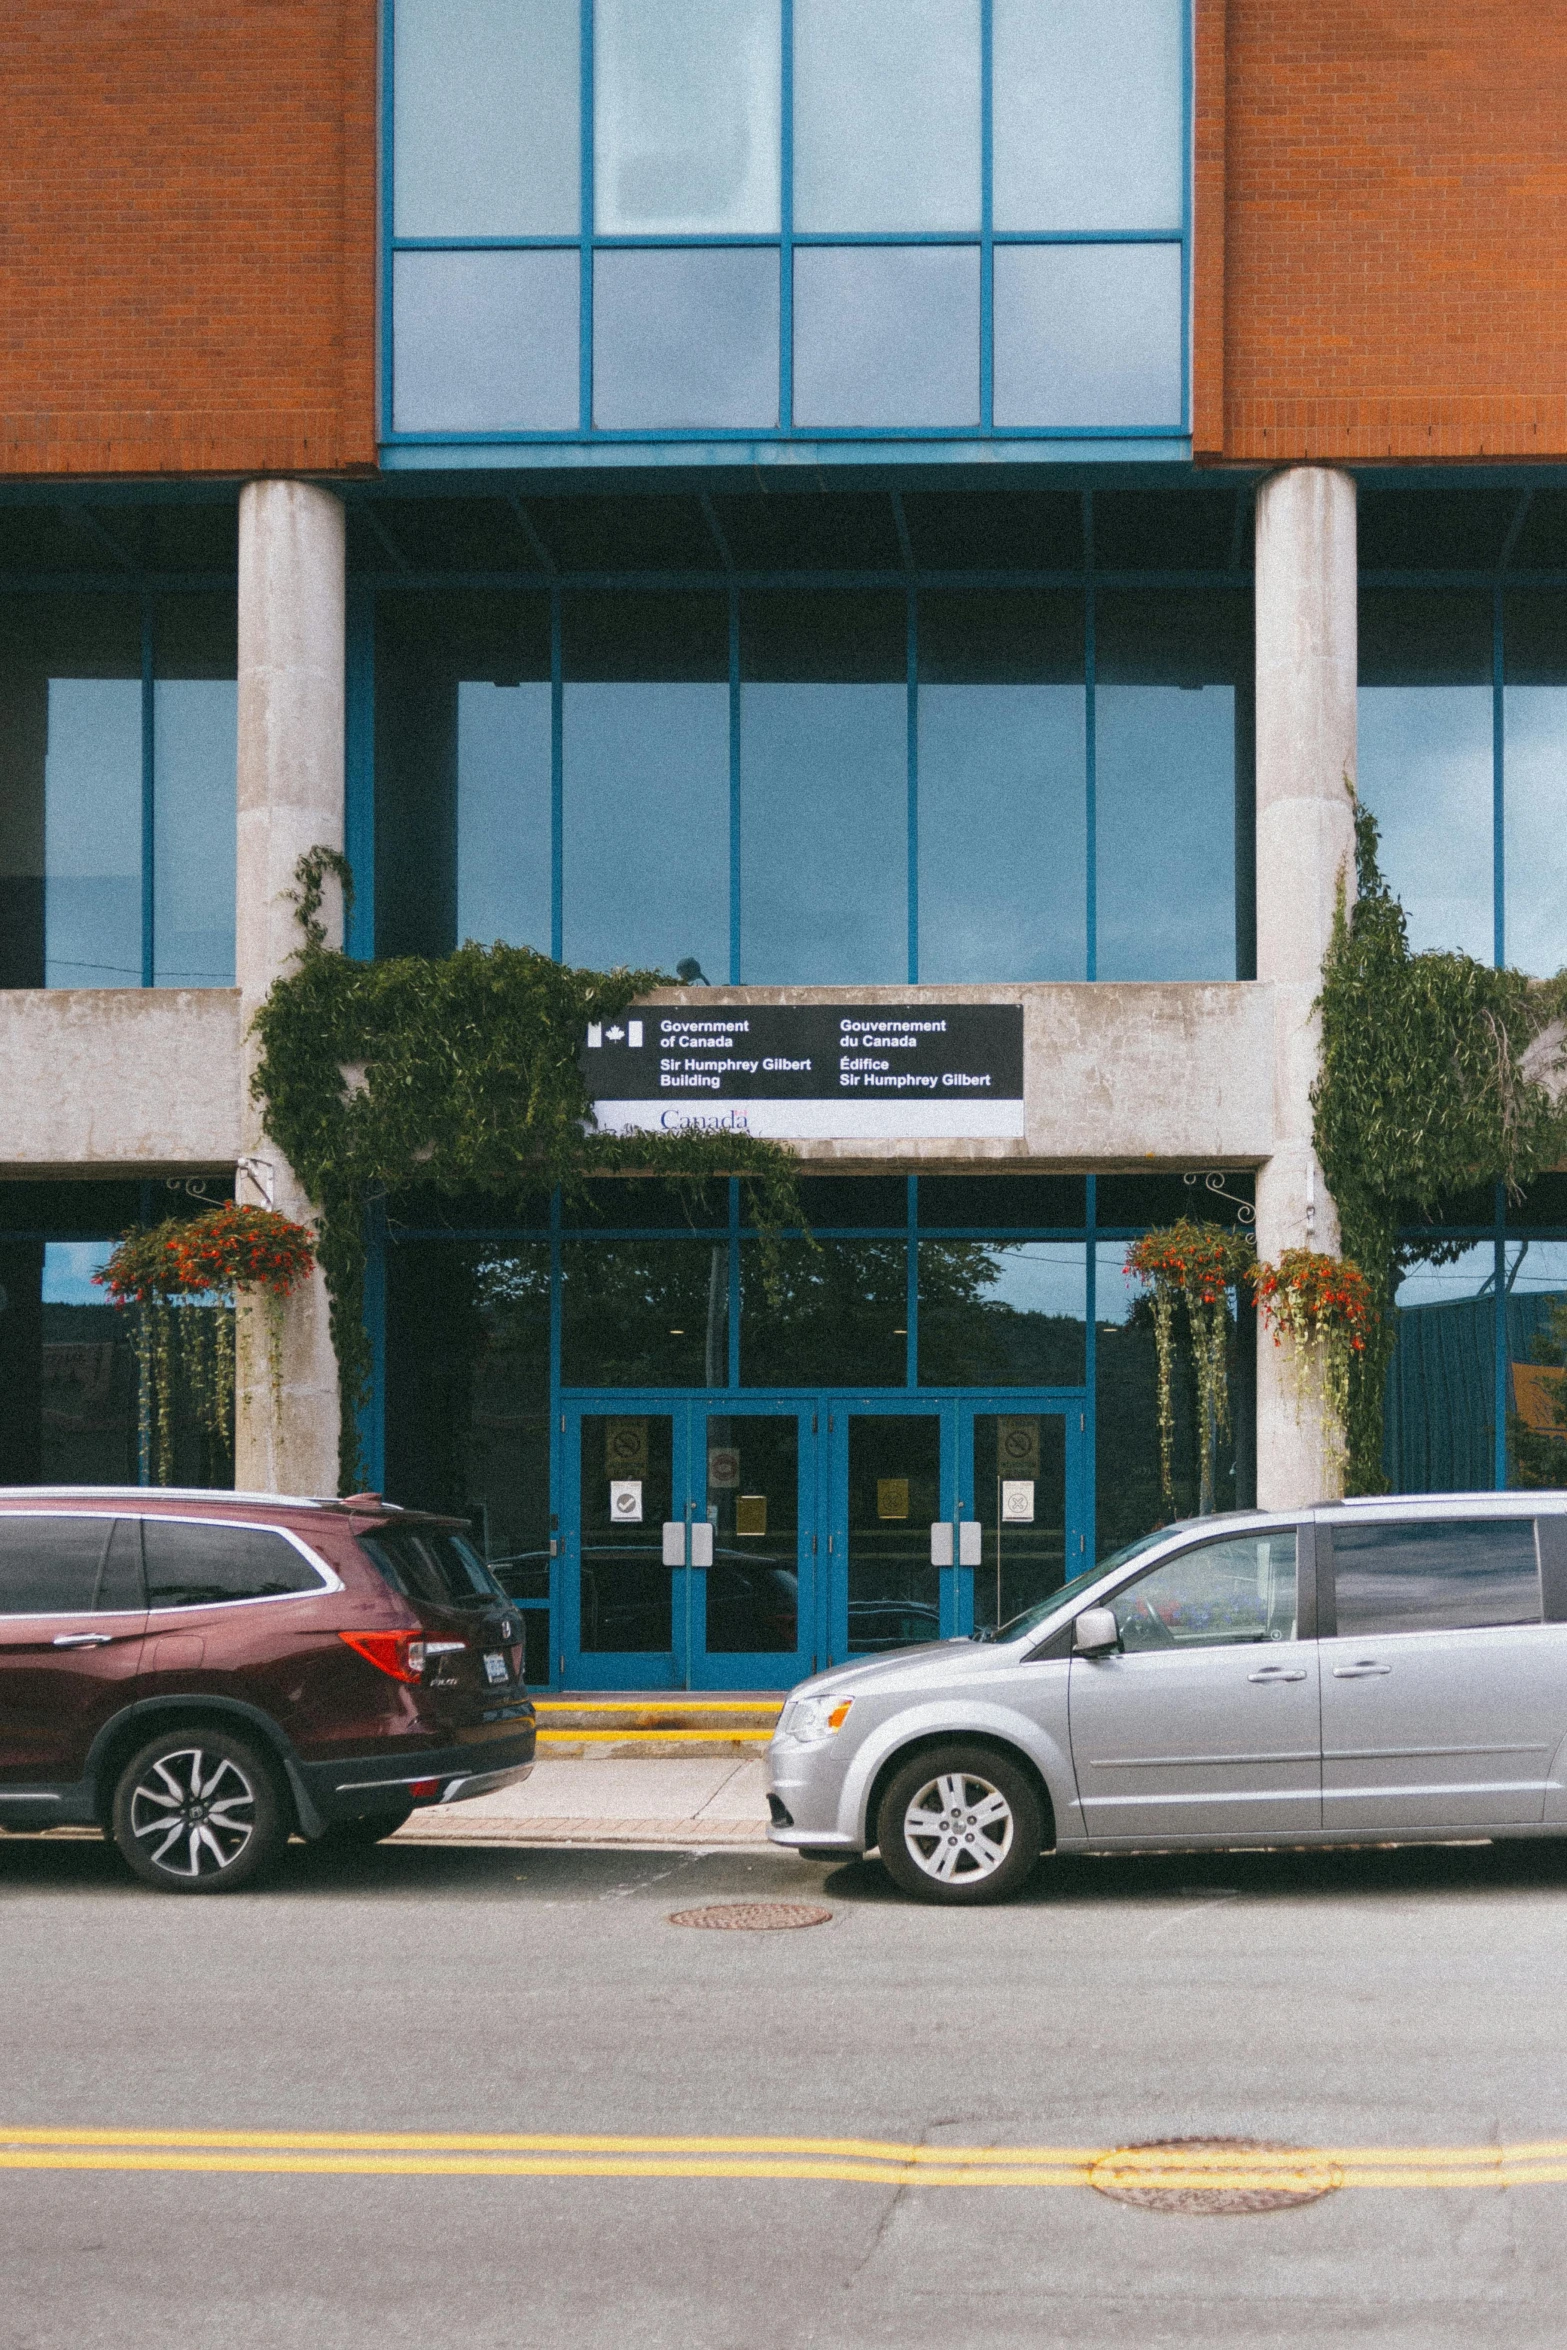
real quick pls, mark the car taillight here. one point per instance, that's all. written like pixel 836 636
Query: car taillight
pixel 401 1655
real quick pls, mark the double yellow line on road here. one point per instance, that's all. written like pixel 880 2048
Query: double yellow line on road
pixel 858 2161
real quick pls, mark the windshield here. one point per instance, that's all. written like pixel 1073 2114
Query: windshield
pixel 1021 1626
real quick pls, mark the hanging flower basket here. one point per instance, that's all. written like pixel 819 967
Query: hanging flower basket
pixel 181 1278
pixel 1324 1306
pixel 1191 1269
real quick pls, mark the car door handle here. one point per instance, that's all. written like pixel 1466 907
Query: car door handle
pixel 81 1640
pixel 1360 1672
pixel 1279 1673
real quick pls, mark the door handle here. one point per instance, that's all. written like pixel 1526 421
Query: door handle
pixel 81 1640
pixel 1360 1672
pixel 1279 1673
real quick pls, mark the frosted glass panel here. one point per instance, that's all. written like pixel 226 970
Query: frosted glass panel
pixel 92 833
pixel 687 336
pixel 485 138
pixel 485 341
pixel 647 825
pixel 1088 335
pixel 503 813
pixel 886 334
pixel 886 114
pixel 1088 114
pixel 195 763
pixel 686 100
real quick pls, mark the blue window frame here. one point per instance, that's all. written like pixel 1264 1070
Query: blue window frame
pixel 756 223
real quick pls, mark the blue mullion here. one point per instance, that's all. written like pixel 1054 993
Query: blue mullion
pixel 585 231
pixel 734 1282
pixel 986 216
pixel 662 239
pixel 911 1294
pixel 654 437
pixel 911 691
pixel 1501 1353
pixel 786 221
pixel 1188 61
pixel 149 787
pixel 1090 1452
pixel 734 785
pixel 557 787
pixel 1498 779
pixel 1090 749
pixel 359 772
pixel 800 582
pixel 558 1607
pixel 388 220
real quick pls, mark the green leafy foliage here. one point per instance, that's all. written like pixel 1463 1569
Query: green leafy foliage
pixel 459 1073
pixel 1424 1093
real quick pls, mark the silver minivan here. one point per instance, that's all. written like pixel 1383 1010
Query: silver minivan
pixel 1387 1669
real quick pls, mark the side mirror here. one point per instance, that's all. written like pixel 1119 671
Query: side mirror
pixel 1096 1632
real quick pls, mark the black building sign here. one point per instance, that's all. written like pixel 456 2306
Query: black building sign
pixel 842 1072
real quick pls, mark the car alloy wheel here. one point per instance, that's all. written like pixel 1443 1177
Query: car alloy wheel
pixel 960 1823
pixel 958 1827
pixel 198 1811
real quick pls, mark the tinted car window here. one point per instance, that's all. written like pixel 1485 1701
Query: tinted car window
pixel 427 1563
pixel 1445 1575
pixel 192 1565
pixel 1222 1595
pixel 50 1566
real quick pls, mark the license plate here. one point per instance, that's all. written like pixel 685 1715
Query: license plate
pixel 495 1667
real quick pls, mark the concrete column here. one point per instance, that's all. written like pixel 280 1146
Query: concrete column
pixel 291 693
pixel 1306 678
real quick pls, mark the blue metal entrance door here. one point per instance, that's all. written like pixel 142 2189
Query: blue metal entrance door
pixel 689 1542
pixel 1022 1503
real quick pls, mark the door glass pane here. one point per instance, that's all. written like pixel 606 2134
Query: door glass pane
pixel 824 769
pixel 886 114
pixel 685 338
pixel 1002 787
pixel 753 1500
pixel 1536 759
pixel 486 113
pixel 1425 759
pixel 1226 1594
pixel 1440 1431
pixel 841 1319
pixel 627 1493
pixel 685 117
pixel 1088 126
pixel 1537 1362
pixel 994 1315
pixel 486 342
pixel 646 751
pixel 195 763
pixel 1444 1577
pixel 1088 335
pixel 1019 1498
pixel 886 335
pixel 645 1313
pixel 894 1495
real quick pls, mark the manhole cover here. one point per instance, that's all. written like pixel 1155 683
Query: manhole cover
pixel 1215 2177
pixel 753 1917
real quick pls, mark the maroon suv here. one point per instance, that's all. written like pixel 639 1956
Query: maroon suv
pixel 205 1674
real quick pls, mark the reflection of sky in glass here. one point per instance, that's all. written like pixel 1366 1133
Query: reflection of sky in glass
pixel 1116 1291
pixel 1041 1277
pixel 1536 1265
pixel 1432 1285
pixel 69 1266
pixel 1425 774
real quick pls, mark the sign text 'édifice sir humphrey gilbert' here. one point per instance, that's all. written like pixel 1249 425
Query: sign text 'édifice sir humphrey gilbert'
pixel 840 1072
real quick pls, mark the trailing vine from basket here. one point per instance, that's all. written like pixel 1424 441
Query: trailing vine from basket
pixel 1323 1308
pixel 1190 1268
pixel 179 1280
pixel 1439 1075
pixel 460 1072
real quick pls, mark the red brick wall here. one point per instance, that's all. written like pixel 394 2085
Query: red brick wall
pixel 1394 229
pixel 187 236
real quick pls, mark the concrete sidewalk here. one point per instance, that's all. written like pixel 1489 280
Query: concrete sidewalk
pixel 693 1801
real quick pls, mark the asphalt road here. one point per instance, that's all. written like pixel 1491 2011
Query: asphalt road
pixel 1404 2000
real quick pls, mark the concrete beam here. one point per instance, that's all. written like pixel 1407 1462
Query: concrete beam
pixel 119 1081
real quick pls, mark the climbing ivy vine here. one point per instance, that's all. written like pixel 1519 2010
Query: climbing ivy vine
pixel 460 1073
pixel 1439 1075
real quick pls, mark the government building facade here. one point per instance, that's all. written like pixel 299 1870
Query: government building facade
pixel 911 517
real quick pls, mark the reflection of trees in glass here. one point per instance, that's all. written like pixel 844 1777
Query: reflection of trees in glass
pixel 646 1313
pixel 1127 1440
pixel 839 1317
pixel 971 1338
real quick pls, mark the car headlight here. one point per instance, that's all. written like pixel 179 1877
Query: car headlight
pixel 815 1717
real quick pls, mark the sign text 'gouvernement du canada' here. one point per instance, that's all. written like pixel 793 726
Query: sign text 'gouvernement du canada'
pixel 842 1072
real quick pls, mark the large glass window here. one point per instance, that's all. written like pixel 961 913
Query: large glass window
pixel 1441 1391
pixel 1425 722
pixel 1001 1315
pixel 634 220
pixel 1535 782
pixel 117 791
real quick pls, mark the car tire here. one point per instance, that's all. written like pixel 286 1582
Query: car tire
pixel 369 1828
pixel 200 1811
pixel 960 1825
